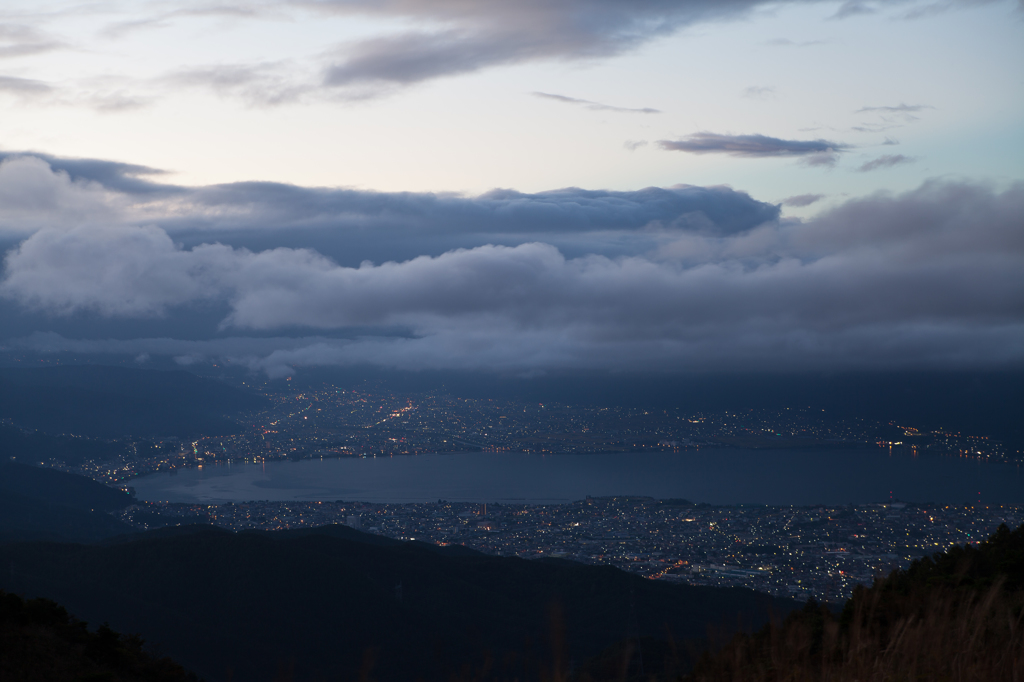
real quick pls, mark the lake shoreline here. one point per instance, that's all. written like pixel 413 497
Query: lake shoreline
pixel 713 475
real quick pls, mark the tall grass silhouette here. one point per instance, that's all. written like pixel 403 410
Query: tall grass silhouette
pixel 958 617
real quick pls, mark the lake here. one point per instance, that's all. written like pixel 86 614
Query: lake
pixel 715 476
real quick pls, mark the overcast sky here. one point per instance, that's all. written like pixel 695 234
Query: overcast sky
pixel 515 186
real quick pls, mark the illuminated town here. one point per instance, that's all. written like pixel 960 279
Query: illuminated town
pixel 802 552
pixel 820 551
pixel 336 422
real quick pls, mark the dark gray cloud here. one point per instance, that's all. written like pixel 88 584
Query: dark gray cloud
pixel 716 210
pixel 353 225
pixel 753 146
pixel 113 175
pixel 802 200
pixel 885 161
pixel 594 106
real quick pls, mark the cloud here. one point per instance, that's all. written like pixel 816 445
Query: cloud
pixel 759 92
pixel 932 9
pixel 111 175
pixel 120 29
pixel 852 8
pixel 594 106
pixel 100 99
pixel 358 224
pixel 927 278
pixel 885 161
pixel 33 196
pixel 633 145
pixel 802 200
pixel 18 40
pixel 24 87
pixel 464 37
pixel 243 350
pixel 267 84
pixel 898 109
pixel 115 102
pixel 112 271
pixel 819 152
pixel 570 210
pixel 820 160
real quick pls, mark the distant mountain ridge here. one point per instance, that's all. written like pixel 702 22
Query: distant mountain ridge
pixel 37 503
pixel 36 447
pixel 111 402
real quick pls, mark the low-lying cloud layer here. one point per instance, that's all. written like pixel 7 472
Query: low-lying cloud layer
pixel 929 278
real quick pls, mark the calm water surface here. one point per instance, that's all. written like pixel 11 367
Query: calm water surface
pixel 718 476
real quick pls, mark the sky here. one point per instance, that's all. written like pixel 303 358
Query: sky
pixel 522 187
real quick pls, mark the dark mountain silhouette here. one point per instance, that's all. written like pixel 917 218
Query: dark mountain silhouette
pixel 45 504
pixel 60 487
pixel 333 603
pixel 109 402
pixel 34 447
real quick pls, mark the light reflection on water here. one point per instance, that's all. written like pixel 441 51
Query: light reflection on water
pixel 716 476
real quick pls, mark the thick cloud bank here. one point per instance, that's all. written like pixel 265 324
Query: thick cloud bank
pixel 929 278
pixel 354 225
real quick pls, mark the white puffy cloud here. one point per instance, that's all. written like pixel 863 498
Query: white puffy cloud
pixel 114 271
pixel 33 196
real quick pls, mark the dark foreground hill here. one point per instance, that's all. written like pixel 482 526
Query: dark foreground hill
pixel 956 616
pixel 37 503
pixel 110 402
pixel 333 603
pixel 40 642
